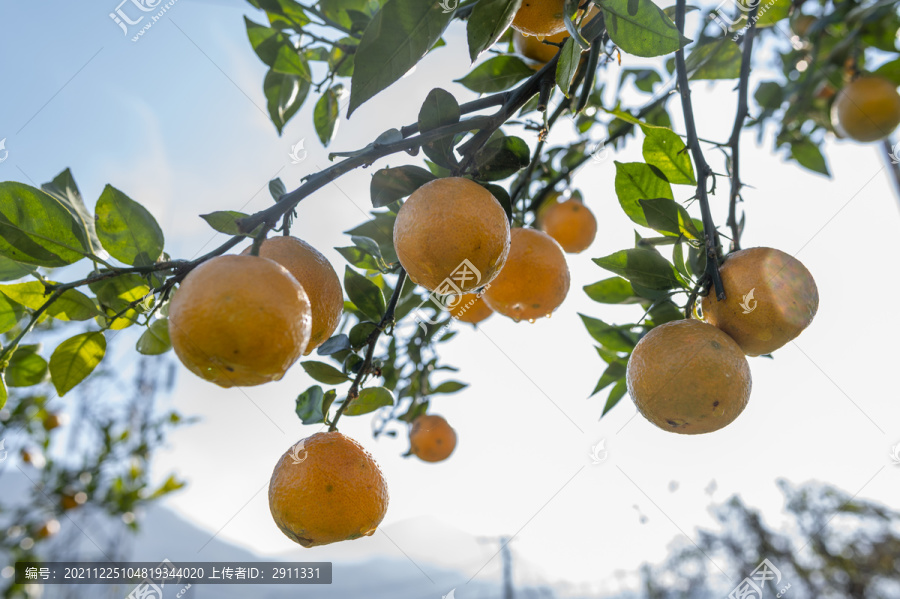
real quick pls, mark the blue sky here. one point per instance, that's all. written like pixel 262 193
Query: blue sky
pixel 177 121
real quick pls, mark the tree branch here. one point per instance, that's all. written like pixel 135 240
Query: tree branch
pixel 371 341
pixel 735 141
pixel 703 170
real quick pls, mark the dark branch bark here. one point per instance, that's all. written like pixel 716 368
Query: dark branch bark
pixel 371 341
pixel 735 141
pixel 703 170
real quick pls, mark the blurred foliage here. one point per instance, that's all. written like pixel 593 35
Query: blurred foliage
pixel 833 545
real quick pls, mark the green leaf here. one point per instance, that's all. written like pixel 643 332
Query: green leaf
pixel 809 156
pixel 309 406
pixel 613 372
pixel 225 221
pixel 289 62
pixel 70 305
pixel 664 149
pixel 360 259
pixel 63 188
pixel 364 294
pixel 642 266
pixel 126 229
pixel 501 158
pixel 360 332
pixel 641 28
pixel 614 290
pixel 489 19
pixel 266 41
pixel 75 358
pixel 36 228
pixel 496 74
pixel 26 367
pixel 326 113
pixel 567 65
pixel 155 339
pixel 369 400
pixel 890 71
pixel 449 387
pixel 397 38
pixel 285 95
pixel 10 270
pixel 392 184
pixel 718 59
pixel 440 108
pixel 776 11
pixel 4 394
pixel 171 485
pixel 613 338
pixel 324 373
pixel 116 295
pixel 380 228
pixel 615 395
pixel 10 314
pixel 637 181
pixel 668 216
pixel 336 344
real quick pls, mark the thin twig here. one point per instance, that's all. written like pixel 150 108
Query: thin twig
pixel 703 170
pixel 386 320
pixel 735 141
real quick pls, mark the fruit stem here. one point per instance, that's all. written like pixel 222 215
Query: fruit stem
pixel 735 141
pixel 703 169
pixel 386 320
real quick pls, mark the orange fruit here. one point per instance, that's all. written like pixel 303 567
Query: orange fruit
pixel 70 501
pixel 327 488
pixel 50 528
pixel 531 47
pixel 52 421
pixel 451 229
pixel 571 224
pixel 866 109
pixel 542 18
pixel 688 377
pixel 431 439
pixel 239 321
pixel 317 277
pixel 471 308
pixel 770 298
pixel 534 281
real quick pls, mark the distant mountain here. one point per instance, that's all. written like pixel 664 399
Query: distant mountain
pixel 360 571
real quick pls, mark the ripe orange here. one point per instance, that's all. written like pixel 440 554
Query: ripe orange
pixel 431 439
pixel 688 377
pixel 445 223
pixel 50 528
pixel 471 308
pixel 52 421
pixel 317 277
pixel 239 321
pixel 770 298
pixel 534 281
pixel 571 224
pixel 531 47
pixel 540 17
pixel 866 109
pixel 327 488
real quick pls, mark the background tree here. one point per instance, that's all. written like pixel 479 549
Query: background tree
pixel 832 545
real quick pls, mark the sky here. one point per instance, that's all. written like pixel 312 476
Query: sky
pixel 177 121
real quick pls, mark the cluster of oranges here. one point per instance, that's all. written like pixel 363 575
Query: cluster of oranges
pixel 453 229
pixel 689 376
